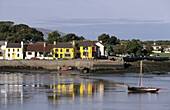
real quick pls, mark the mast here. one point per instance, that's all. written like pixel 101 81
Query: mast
pixel 140 73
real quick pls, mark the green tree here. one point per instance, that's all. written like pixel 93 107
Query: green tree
pixel 54 36
pixel 113 40
pixel 149 49
pixel 120 49
pixel 133 46
pixel 104 38
pixel 70 37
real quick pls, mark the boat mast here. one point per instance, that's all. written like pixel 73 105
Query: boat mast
pixel 140 73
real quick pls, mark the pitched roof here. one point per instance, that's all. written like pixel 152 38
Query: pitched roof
pixel 85 43
pixel 13 45
pixel 63 45
pixel 39 47
pixel 2 42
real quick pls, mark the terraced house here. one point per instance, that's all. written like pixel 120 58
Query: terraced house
pixel 64 50
pixel 14 50
pixel 75 49
pixel 86 49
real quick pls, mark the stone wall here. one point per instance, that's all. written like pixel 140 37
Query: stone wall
pixel 54 64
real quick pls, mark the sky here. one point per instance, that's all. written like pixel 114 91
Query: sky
pixel 125 19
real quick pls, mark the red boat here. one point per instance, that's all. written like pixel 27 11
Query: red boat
pixel 65 68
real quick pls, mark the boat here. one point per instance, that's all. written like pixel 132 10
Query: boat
pixel 64 68
pixel 141 89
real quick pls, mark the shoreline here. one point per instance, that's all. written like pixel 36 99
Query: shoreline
pixel 108 68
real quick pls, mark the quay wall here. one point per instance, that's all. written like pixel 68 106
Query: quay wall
pixel 54 64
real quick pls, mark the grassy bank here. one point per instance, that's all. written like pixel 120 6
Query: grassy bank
pixel 161 54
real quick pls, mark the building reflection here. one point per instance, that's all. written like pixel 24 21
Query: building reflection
pixel 16 87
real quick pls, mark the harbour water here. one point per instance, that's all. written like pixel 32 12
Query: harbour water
pixel 51 91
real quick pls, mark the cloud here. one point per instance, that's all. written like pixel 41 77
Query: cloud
pixel 87 22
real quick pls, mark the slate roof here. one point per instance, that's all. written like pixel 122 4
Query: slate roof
pixel 85 43
pixel 2 42
pixel 39 47
pixel 13 45
pixel 63 45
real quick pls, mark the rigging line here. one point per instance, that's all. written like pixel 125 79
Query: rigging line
pixel 146 68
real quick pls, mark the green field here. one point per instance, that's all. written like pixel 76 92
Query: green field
pixel 161 54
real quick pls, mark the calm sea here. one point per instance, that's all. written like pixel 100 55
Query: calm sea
pixel 52 91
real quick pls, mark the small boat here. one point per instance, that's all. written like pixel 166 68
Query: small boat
pixel 143 89
pixel 64 68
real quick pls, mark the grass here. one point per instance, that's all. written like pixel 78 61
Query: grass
pixel 161 54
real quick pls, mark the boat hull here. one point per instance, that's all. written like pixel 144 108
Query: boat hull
pixel 142 89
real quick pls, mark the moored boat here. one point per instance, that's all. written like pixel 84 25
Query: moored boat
pixel 143 89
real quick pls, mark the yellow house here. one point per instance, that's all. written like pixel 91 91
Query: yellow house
pixel 64 50
pixel 75 49
pixel 14 50
pixel 86 49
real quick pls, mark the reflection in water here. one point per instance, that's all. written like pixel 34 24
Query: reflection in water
pixel 16 87
pixel 55 91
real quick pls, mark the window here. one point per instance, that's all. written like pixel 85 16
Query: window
pixel 67 50
pixel 56 55
pixel 8 55
pixel 1 54
pixel 18 50
pixel 13 50
pixel 78 48
pixel 85 48
pixel 29 53
pixel 61 50
pixel 78 55
pixel 17 55
pixel 56 50
pixel 93 54
pixel 67 55
pixel 8 50
pixel 85 53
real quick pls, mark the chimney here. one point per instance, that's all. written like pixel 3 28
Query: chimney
pixel 22 44
pixel 44 44
pixel 73 43
pixel 54 42
pixel 6 44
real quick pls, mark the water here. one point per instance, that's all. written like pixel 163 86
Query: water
pixel 32 91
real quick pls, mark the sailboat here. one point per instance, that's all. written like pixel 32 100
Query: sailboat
pixel 143 89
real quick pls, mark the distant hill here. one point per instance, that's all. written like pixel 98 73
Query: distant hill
pixel 46 31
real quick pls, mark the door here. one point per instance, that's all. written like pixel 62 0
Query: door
pixel 13 55
pixel 61 55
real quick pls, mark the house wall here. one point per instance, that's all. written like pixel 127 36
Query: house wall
pixel 28 55
pixel 13 53
pixel 88 52
pixel 2 50
pixel 102 50
pixel 64 53
pixel 156 47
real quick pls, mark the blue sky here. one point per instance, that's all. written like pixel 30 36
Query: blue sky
pixel 126 19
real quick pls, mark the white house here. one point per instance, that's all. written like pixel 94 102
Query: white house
pixel 2 49
pixel 14 50
pixel 38 50
pixel 102 49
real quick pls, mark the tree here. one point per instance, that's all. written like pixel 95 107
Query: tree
pixel 149 49
pixel 104 38
pixel 133 47
pixel 54 36
pixel 70 37
pixel 120 49
pixel 113 40
pixel 16 33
